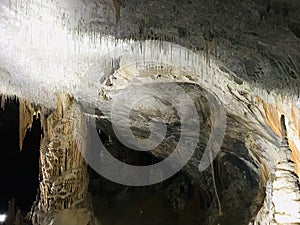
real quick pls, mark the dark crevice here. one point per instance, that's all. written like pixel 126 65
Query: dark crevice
pixel 19 170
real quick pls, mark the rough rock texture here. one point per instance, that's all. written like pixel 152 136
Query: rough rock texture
pixel 287 107
pixel 26 118
pixel 285 199
pixel 63 188
pixel 241 169
pixel 286 186
pixel 257 41
pixel 282 202
pixel 247 53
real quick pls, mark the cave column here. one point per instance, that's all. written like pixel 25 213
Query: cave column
pixel 63 171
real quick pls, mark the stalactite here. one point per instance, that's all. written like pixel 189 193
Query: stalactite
pixel 215 186
pixel 3 102
pixel 117 5
pixel 26 113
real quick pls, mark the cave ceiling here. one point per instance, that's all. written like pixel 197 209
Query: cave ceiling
pixel 243 52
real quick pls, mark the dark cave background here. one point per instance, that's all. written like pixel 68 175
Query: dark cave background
pixel 19 170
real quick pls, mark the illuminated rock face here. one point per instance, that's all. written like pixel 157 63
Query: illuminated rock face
pixel 285 199
pixel 273 111
pixel 64 179
pixel 245 53
pixel 282 202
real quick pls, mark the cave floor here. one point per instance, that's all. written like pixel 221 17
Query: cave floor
pixel 143 206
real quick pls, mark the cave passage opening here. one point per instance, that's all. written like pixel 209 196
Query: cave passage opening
pixel 180 200
pixel 189 197
pixel 19 170
pixel 174 201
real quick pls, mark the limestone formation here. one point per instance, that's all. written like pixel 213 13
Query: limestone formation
pixel 68 59
pixel 64 180
pixel 282 203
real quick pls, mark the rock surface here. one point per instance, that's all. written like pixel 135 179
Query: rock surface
pixel 245 53
pixel 63 195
